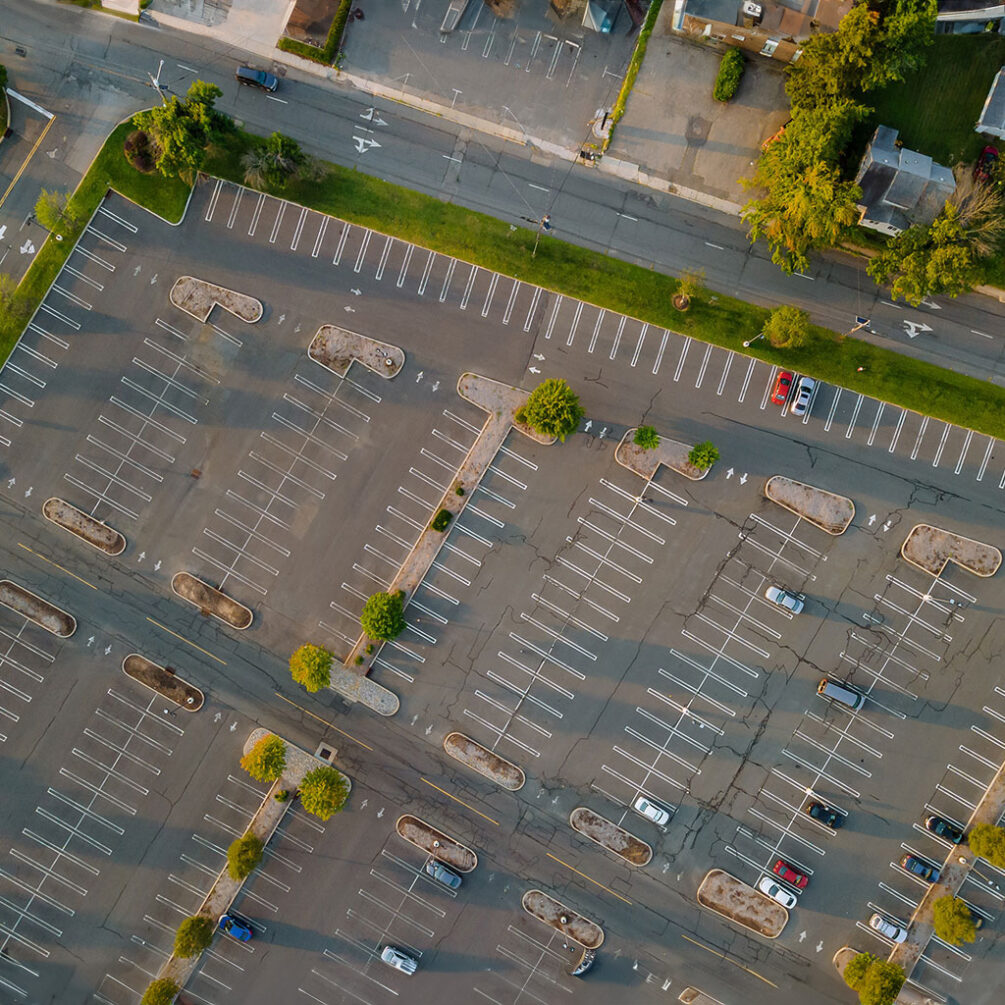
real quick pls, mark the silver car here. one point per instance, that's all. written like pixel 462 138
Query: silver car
pixel 893 932
pixel 790 601
pixel 652 811
pixel 804 392
pixel 399 959
pixel 777 893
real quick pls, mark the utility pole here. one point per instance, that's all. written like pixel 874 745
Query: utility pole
pixel 156 81
pixel 543 224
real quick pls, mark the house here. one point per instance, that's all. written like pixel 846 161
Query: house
pixel 774 28
pixel 965 17
pixel 900 187
pixel 992 118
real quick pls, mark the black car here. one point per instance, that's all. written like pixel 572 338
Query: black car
pixel 251 77
pixel 943 828
pixel 827 816
pixel 920 868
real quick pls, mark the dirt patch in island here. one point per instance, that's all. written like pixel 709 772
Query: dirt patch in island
pixel 610 836
pixel 198 298
pixel 827 510
pixel 497 769
pixel 34 608
pixel 563 919
pixel 733 899
pixel 337 348
pixel 211 600
pixel 645 463
pixel 97 534
pixel 164 681
pixel 441 846
pixel 931 549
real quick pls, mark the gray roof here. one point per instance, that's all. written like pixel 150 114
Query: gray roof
pixel 993 114
pixel 726 11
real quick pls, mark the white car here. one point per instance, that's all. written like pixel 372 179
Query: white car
pixel 790 601
pixel 652 811
pixel 398 959
pixel 893 932
pixel 784 897
pixel 801 399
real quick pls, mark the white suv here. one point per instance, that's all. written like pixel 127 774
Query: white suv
pixel 398 959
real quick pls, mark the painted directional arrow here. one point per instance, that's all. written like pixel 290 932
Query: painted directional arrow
pixel 913 327
pixel 533 369
pixel 539 356
pixel 363 144
pixel 743 478
pixel 157 565
pixel 419 376
pixel 872 519
pixel 729 473
pixel 351 310
pixel 887 526
pixel 588 426
pixel 27 491
pixel 142 555
pixel 926 302
pixel 355 293
pixel 10 483
pixel 603 432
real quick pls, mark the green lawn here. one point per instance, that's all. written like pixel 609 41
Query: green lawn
pixel 937 107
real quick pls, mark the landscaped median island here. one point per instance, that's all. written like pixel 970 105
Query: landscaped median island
pixel 827 510
pixel 337 348
pixel 609 835
pixel 645 461
pixel 96 533
pixel 563 919
pixel 198 298
pixel 486 762
pixel 434 842
pixel 34 608
pixel 210 600
pixel 932 549
pixel 738 902
pixel 164 681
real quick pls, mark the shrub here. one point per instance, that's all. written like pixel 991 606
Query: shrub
pixel 442 520
pixel 311 666
pixel 459 490
pixel 691 283
pixel 704 455
pixel 243 856
pixel 881 984
pixel 787 327
pixel 369 648
pixel 953 921
pixel 193 936
pixel 857 968
pixel 160 992
pixel 282 795
pixel 266 759
pixel 730 73
pixel 646 437
pixel 988 842
pixel 323 792
pixel 552 409
pixel 383 615
pixel 140 152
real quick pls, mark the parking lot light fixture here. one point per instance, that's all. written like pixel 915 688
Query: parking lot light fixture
pixel 749 342
pixel 963 860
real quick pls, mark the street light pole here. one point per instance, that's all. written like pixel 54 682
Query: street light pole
pixel 156 81
pixel 543 224
pixel 750 342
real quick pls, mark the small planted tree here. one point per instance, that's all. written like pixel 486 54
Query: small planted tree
pixel 703 455
pixel 552 409
pixel 786 327
pixel 646 437
pixel 56 213
pixel 988 842
pixel 953 921
pixel 311 666
pixel 690 284
pixel 243 856
pixel 160 992
pixel 14 307
pixel 193 936
pixel 877 981
pixel 442 520
pixel 383 615
pixel 266 759
pixel 272 163
pixel 323 792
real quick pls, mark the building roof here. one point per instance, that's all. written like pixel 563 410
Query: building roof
pixel 978 8
pixel 797 19
pixel 992 117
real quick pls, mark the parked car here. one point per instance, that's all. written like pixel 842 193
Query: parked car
pixel 585 963
pixel 841 693
pixel 399 959
pixel 920 868
pixel 985 164
pixel 782 869
pixel 893 932
pixel 801 398
pixel 442 874
pixel 235 926
pixel 659 815
pixel 943 828
pixel 778 893
pixel 783 384
pixel 251 77
pixel 827 816
pixel 790 601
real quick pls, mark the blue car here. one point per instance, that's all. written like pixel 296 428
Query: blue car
pixel 920 868
pixel 235 926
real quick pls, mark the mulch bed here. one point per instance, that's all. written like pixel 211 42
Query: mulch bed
pixel 733 899
pixel 97 534
pixel 166 684
pixel 337 348
pixel 931 549
pixel 587 933
pixel 447 850
pixel 48 616
pixel 827 510
pixel 644 463
pixel 198 298
pixel 497 769
pixel 612 837
pixel 210 600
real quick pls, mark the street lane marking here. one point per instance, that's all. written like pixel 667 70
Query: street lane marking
pixel 57 565
pixel 484 816
pixel 187 642
pixel 723 956
pixel 584 876
pixel 307 711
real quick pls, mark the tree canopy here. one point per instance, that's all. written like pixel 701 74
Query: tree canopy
pixel 311 666
pixel 272 163
pixel 646 437
pixel 552 409
pixel 953 921
pixel 704 455
pixel 266 759
pixel 787 327
pixel 383 615
pixel 193 936
pixel 988 842
pixel 162 991
pixel 243 856
pixel 877 981
pixel 323 792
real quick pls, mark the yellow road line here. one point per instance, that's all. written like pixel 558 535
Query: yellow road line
pixel 735 963
pixel 27 160
pixel 484 816
pixel 330 725
pixel 593 881
pixel 57 565
pixel 187 641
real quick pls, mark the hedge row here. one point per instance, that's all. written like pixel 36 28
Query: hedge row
pixel 730 73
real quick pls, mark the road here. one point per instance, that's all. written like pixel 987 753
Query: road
pixel 102 72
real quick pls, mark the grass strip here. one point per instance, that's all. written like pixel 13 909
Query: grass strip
pixel 634 65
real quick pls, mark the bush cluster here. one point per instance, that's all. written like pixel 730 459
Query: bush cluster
pixel 442 520
pixel 730 74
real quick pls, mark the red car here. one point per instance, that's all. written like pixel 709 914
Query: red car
pixel 783 870
pixel 783 384
pixel 985 164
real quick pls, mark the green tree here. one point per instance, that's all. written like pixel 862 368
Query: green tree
pixel 383 615
pixel 646 437
pixel 311 666
pixel 907 29
pixel 243 856
pixel 787 327
pixel 552 409
pixel 988 842
pixel 704 455
pixel 881 984
pixel 272 163
pixel 57 213
pixel 858 966
pixel 193 936
pixel 953 921
pixel 691 283
pixel 14 305
pixel 160 992
pixel 923 260
pixel 182 130
pixel 266 759
pixel 323 792
pixel 727 80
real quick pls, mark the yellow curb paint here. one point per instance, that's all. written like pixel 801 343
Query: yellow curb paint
pixel 187 641
pixel 330 725
pixel 56 565
pixel 723 956
pixel 461 801
pixel 589 878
